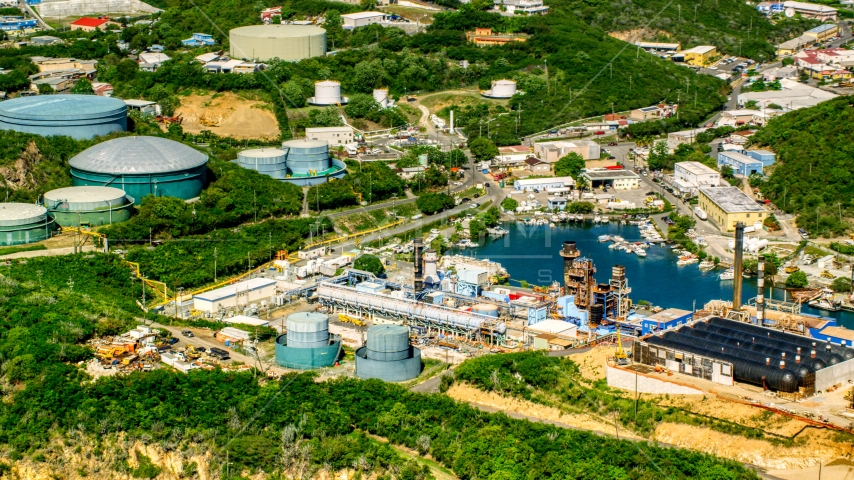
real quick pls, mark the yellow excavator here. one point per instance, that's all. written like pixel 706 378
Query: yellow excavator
pixel 192 353
pixel 354 320
pixel 108 353
pixel 621 355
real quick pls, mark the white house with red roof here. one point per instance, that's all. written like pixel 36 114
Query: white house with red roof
pixel 90 24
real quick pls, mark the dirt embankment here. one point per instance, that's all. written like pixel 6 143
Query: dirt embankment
pixel 228 115
pixel 639 34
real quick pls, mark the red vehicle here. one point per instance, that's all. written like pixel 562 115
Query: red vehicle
pixel 600 132
pixel 498 176
pixel 612 144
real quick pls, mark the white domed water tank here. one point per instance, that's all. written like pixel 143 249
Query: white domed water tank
pixel 381 96
pixel 503 88
pixel 327 92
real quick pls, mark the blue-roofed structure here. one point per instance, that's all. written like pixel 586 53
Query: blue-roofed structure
pixel 740 163
pixel 767 157
pixel 199 40
pixel 822 28
pixel 17 23
pixel 77 116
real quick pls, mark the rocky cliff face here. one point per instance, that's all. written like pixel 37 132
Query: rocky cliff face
pixel 19 175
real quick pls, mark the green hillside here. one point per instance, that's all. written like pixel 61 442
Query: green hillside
pixel 815 158
pixel 731 25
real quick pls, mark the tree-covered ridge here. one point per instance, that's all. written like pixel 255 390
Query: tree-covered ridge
pixel 815 157
pixel 53 305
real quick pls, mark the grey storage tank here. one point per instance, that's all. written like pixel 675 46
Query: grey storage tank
pixel 22 223
pixel 307 344
pixel 307 157
pixel 269 161
pixel 387 355
pixel 140 166
pixel 286 42
pixel 89 206
pixel 77 116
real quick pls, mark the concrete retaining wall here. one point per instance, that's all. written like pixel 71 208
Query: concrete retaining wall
pixel 830 376
pixel 68 8
pixel 625 380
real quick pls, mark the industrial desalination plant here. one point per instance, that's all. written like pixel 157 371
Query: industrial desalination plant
pixel 77 116
pixel 140 166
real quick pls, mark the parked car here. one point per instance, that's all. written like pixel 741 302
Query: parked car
pixel 474 205
pixel 465 200
pixel 172 341
pixel 612 144
pixel 187 333
pixel 486 185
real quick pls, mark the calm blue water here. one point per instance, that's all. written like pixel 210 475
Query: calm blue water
pixel 531 253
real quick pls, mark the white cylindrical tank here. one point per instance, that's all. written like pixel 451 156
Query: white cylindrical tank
pixel 327 92
pixel 381 96
pixel 503 88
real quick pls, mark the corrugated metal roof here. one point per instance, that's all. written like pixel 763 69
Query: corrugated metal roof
pixel 138 155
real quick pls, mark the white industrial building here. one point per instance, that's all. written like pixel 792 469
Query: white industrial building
pixel 333 135
pixel 553 151
pixel 792 96
pixel 689 176
pixel 237 295
pixel 617 179
pixel 530 184
pixel 243 319
pixel 363 19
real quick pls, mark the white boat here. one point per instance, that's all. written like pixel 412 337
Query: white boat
pixel 597 219
pixel 729 274
pixel 612 246
pixel 551 225
pixel 675 247
pixel 707 265
pixel 640 252
pixel 605 219
pixel 604 238
pixel 618 239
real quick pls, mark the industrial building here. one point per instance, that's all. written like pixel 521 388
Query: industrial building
pixel 22 223
pixel 78 116
pixel 618 179
pixel 689 176
pixel 88 206
pixel 327 92
pixel 307 345
pixel 674 139
pixel 812 10
pixel 741 164
pixel 332 135
pixel 794 95
pixel 727 206
pixel 767 157
pixel 699 56
pixel 660 47
pixel 236 295
pixel 551 152
pixel 363 19
pixel 141 166
pixel 531 184
pixel 286 42
pixel 665 320
pixel 387 355
pixel 501 89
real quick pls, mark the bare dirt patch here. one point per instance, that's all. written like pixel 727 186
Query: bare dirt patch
pixel 741 414
pixel 639 34
pixel 228 115
pixel 467 393
pixel 592 362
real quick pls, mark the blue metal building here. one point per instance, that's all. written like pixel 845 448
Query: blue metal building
pixel 765 156
pixel 740 163
pixel 199 40
pixel 77 116
pixel 17 23
pixel 665 320
pixel 142 166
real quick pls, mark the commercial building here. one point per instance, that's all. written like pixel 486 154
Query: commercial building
pixel 793 46
pixel 825 64
pixel 332 135
pixel 812 10
pixel 660 47
pixel 793 96
pixel 553 151
pixel 285 42
pixel 363 19
pixel 76 116
pixel 90 24
pixel 824 32
pixel 653 112
pixel 674 139
pixel 537 166
pixel 741 164
pixel 700 55
pixel 22 223
pixel 745 117
pixel 522 7
pixel 531 184
pixel 618 179
pixel 664 320
pixel 728 205
pixel 199 40
pixel 88 206
pixel 239 294
pixel 18 23
pixel 141 166
pixel 51 64
pixel 689 176
pixel 767 157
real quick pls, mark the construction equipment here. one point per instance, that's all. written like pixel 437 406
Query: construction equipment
pixel 354 320
pixel 826 274
pixel 109 352
pixel 792 269
pixel 192 353
pixel 621 356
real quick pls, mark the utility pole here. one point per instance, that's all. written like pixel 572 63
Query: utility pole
pixel 214 264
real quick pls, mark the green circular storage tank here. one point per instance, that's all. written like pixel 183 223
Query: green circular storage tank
pixel 22 223
pixel 88 206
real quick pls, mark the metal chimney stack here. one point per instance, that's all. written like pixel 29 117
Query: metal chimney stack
pixel 419 265
pixel 760 293
pixel 738 266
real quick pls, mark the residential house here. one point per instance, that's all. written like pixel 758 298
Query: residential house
pixel 151 61
pixel 522 7
pixel 486 37
pixel 90 24
pixel 653 112
pixel 45 40
pixel 537 166
pixel 102 89
pixel 268 13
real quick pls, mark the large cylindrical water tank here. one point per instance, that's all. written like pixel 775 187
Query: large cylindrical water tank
pixel 388 342
pixel 269 161
pixel 307 157
pixel 485 309
pixel 381 96
pixel 503 88
pixel 308 330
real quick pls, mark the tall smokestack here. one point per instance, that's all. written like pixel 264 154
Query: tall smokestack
pixel 451 131
pixel 419 266
pixel 569 254
pixel 738 267
pixel 760 293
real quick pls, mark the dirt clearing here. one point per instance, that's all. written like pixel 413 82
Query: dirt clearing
pixel 228 115
pixel 592 362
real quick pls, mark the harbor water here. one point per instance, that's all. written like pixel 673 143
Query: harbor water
pixel 530 253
